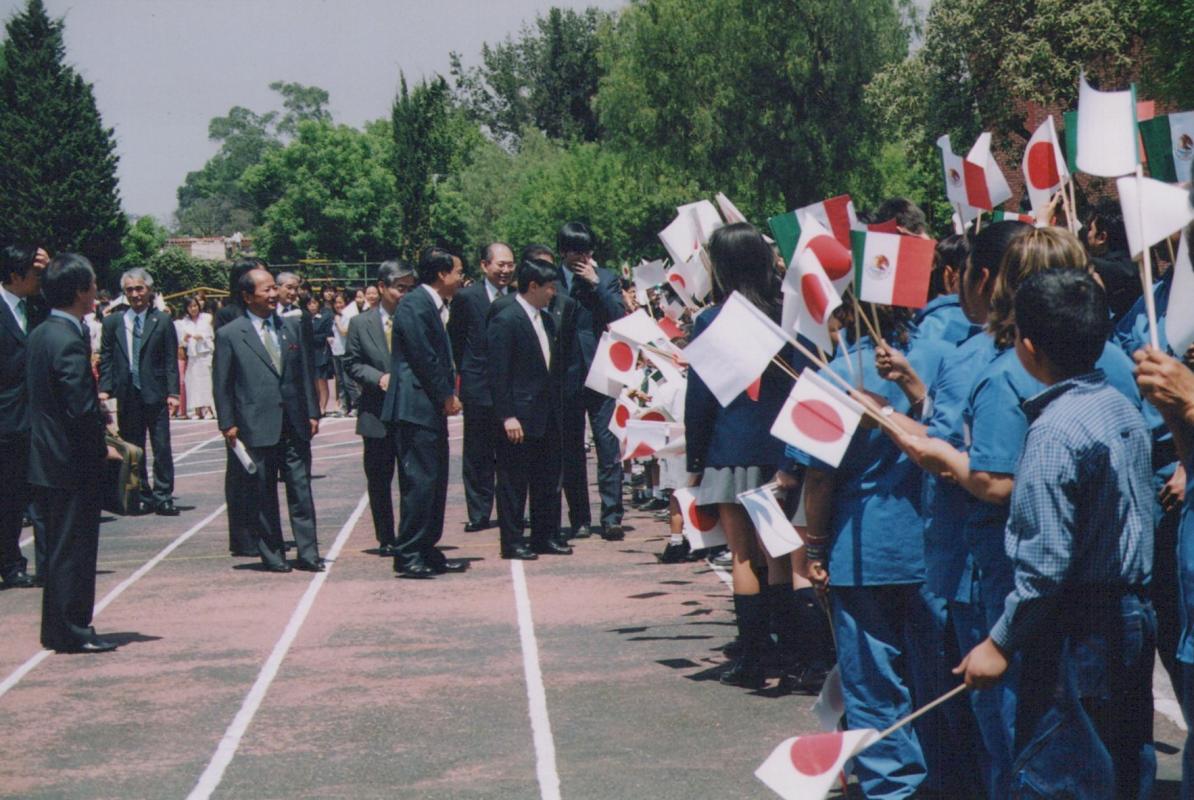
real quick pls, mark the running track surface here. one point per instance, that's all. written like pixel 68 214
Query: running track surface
pixel 589 676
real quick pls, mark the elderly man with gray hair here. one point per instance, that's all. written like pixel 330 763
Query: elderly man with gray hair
pixel 139 369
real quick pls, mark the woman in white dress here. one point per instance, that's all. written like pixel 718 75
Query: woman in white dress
pixel 197 336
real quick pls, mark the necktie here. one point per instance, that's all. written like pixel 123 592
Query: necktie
pixel 271 346
pixel 389 327
pixel 135 355
pixel 541 333
pixel 23 315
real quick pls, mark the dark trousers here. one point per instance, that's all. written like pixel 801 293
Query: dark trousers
pixel 423 485
pixel 381 459
pixel 480 451
pixel 72 544
pixel 290 458
pixel 532 468
pixel 135 419
pixel 239 496
pixel 1084 723
pixel 1163 589
pixel 346 388
pixel 16 500
pixel 599 410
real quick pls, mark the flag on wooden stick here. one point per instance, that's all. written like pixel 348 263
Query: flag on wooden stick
pixel 1044 166
pixel 892 269
pixel 1106 131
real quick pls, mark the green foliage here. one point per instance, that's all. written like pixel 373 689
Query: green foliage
pixel 142 242
pixel 329 192
pixel 175 271
pixel 301 103
pixel 1169 50
pixel 546 78
pixel 57 160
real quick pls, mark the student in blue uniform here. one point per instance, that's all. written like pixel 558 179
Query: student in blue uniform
pixel 943 318
pixel 865 540
pixel 1079 541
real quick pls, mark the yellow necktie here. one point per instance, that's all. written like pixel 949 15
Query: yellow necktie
pixel 389 326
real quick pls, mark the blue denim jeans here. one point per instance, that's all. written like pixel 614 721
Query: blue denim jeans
pixel 1084 722
pixel 994 708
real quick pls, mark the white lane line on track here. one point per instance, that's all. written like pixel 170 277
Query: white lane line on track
pixel 20 672
pixel 353 440
pixel 315 460
pixel 545 748
pixel 722 573
pixel 230 743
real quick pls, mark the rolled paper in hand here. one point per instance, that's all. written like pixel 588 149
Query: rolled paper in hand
pixel 242 455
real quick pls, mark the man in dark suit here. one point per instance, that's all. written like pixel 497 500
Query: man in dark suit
pixel 21 268
pixel 139 367
pixel 526 403
pixel 265 397
pixel 466 329
pixel 66 455
pixel 238 490
pixel 420 398
pixel 599 302
pixel 368 359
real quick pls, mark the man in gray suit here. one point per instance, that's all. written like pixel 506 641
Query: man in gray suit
pixel 368 354
pixel 265 397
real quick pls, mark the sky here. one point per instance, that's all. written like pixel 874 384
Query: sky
pixel 163 68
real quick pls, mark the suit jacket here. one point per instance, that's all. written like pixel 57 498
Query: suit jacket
pixel 66 423
pixel 422 376
pixel 566 362
pixel 466 329
pixel 598 306
pixel 251 395
pixel 158 362
pixel 14 355
pixel 523 386
pixel 366 360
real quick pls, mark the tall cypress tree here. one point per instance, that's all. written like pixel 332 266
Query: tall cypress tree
pixel 58 186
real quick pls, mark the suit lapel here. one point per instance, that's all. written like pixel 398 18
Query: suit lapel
pixel 122 338
pixel 529 329
pixel 377 330
pixel 249 333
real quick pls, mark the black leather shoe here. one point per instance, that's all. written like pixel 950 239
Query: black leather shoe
pixel 519 552
pixel 19 580
pixel 416 571
pixel 581 532
pixel 473 527
pixel 612 533
pixel 675 553
pixel 551 547
pixel 744 671
pixel 94 646
pixel 307 566
pixel 450 565
pixel 388 550
pixel 283 567
pixel 167 509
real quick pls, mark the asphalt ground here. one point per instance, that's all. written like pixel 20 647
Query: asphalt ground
pixel 584 676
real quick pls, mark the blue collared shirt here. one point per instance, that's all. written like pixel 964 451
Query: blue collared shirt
pixel 942 319
pixel 1081 511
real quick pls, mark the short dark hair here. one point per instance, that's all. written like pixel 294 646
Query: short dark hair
pixel 392 271
pixel 1064 313
pixel 988 245
pixel 951 252
pixel 575 237
pixel 1109 216
pixel 66 276
pixel 539 251
pixel 237 271
pixel 247 284
pixel 434 261
pixel 906 214
pixel 16 260
pixel 535 270
pixel 487 250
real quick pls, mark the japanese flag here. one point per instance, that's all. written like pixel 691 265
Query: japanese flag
pixel 638 328
pixel 1179 319
pixel 729 210
pixel 624 410
pixel 806 767
pixel 614 365
pixel 705 218
pixel 811 292
pixel 690 280
pixel 649 274
pixel 681 238
pixel 818 418
pixel 735 349
pixel 644 438
pixel 1044 166
pixel 831 702
pixel 775 531
pixel 1166 209
pixel 702 528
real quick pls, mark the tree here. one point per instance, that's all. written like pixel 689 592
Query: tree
pixel 330 192
pixel 546 78
pixel 301 103
pixel 143 241
pixel 1169 50
pixel 759 99
pixel 175 271
pixel 57 160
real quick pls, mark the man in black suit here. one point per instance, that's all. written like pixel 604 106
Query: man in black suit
pixel 526 402
pixel 265 397
pixel 466 329
pixel 21 268
pixel 66 455
pixel 599 302
pixel 238 491
pixel 368 358
pixel 420 398
pixel 139 367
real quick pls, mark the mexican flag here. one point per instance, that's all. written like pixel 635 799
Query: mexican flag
pixel 1169 144
pixel 891 269
pixel 835 214
pixel 1011 216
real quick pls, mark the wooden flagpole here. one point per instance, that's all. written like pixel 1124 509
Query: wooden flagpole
pixel 961 687
pixel 1146 264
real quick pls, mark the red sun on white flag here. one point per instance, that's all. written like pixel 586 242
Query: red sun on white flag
pixel 818 418
pixel 835 259
pixel 816 300
pixel 1042 166
pixel 622 356
pixel 806 767
pixel 702 528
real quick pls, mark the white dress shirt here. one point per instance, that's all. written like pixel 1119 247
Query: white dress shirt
pixel 263 331
pixel 536 318
pixel 440 305
pixel 129 316
pixel 13 300
pixel 492 291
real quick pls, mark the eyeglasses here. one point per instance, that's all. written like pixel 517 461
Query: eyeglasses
pixel 403 287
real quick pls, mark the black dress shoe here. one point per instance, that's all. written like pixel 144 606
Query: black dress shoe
pixel 581 532
pixel 307 566
pixel 473 527
pixel 744 671
pixel 388 550
pixel 451 565
pixel 415 571
pixel 551 547
pixel 612 533
pixel 519 552
pixel 282 567
pixel 93 646
pixel 167 509
pixel 19 580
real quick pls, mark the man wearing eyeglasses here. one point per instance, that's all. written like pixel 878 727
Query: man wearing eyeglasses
pixel 368 353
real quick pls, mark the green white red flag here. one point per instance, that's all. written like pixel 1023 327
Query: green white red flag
pixel 811 285
pixel 999 215
pixel 836 215
pixel 974 183
pixel 892 269
pixel 1169 144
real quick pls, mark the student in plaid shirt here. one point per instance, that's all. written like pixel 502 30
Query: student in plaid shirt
pixel 1080 538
